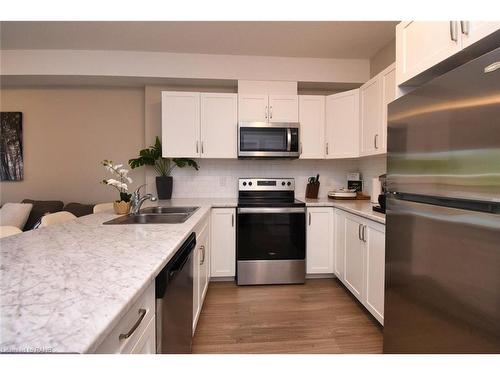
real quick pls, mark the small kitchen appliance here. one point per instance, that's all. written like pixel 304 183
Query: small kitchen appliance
pixel 268 140
pixel 270 232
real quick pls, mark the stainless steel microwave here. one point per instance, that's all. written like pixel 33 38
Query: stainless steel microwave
pixel 268 140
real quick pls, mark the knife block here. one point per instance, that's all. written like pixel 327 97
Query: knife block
pixel 312 190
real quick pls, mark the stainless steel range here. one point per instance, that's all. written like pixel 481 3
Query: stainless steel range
pixel 270 232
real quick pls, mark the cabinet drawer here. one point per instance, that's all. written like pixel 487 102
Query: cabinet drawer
pixel 112 343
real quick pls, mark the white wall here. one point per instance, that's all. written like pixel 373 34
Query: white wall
pixel 371 167
pixel 179 65
pixel 219 178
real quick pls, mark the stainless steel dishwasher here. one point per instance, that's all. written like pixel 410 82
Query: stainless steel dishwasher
pixel 174 302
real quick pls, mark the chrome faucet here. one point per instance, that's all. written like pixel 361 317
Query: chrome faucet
pixel 136 200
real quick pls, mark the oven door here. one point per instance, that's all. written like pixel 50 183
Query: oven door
pixel 260 139
pixel 271 233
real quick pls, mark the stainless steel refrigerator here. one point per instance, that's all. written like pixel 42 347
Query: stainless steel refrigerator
pixel 443 214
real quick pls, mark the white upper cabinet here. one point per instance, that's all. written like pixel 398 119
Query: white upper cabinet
pixel 283 108
pixel 472 31
pixel 422 44
pixel 180 117
pixel 388 77
pixel 342 125
pixel 264 108
pixel 199 124
pixel 252 107
pixel 219 125
pixel 375 95
pixel 320 227
pixel 312 126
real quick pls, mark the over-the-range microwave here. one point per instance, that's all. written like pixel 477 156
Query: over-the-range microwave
pixel 268 140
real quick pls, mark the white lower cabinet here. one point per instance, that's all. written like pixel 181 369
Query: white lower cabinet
pixel 201 261
pixel 354 256
pixel 374 237
pixel 135 332
pixel 223 242
pixel 319 255
pixel 360 259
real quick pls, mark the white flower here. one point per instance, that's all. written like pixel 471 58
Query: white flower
pixel 129 180
pixel 118 166
pixel 123 186
pixel 123 172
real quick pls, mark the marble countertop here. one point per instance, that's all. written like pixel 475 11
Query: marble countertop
pixel 63 288
pixel 357 207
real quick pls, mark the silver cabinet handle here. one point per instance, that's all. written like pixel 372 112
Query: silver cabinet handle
pixel 196 146
pixel 300 148
pixel 202 248
pixel 232 220
pixel 271 112
pixel 375 139
pixel 309 219
pixel 327 148
pixel 202 147
pixel 464 25
pixel 266 112
pixel 142 314
pixel 453 31
pixel 359 232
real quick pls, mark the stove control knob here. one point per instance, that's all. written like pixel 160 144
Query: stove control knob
pixel 250 183
pixel 244 183
pixel 288 183
pixel 283 183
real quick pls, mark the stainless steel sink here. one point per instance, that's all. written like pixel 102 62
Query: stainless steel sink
pixel 156 215
pixel 168 210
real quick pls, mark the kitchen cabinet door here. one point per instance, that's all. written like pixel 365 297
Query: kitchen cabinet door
pixel 283 108
pixel 219 125
pixel 180 124
pixel 342 125
pixel 472 31
pixel 223 243
pixel 388 77
pixel 320 236
pixel 422 44
pixel 312 126
pixel 196 285
pixel 204 244
pixel 371 127
pixel 354 256
pixel 147 342
pixel 339 242
pixel 374 242
pixel 252 107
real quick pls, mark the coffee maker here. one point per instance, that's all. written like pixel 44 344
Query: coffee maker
pixel 381 198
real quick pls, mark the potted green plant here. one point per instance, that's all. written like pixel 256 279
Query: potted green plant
pixel 122 205
pixel 163 166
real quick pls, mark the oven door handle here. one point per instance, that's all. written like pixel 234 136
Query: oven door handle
pixel 271 210
pixel 289 140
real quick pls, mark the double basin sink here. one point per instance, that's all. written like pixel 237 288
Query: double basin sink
pixel 157 215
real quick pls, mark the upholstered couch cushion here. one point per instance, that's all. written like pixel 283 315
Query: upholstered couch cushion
pixel 15 214
pixel 39 209
pixel 79 209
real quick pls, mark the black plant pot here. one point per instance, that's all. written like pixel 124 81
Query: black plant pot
pixel 164 187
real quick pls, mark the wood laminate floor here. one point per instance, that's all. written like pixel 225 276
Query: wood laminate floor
pixel 318 317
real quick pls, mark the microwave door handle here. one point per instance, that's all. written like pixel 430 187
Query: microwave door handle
pixel 289 140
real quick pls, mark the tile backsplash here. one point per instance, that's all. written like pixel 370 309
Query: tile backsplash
pixel 217 178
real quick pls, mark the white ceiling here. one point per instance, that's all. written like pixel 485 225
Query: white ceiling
pixel 335 39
